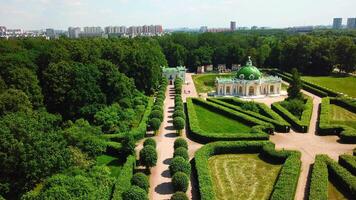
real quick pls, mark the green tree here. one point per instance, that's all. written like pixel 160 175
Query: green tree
pixel 13 101
pixel 141 180
pixel 86 137
pixel 178 124
pixel 32 148
pixel 155 123
pixel 148 157
pixel 345 53
pixel 180 181
pixel 135 193
pixel 295 86
pixel 128 144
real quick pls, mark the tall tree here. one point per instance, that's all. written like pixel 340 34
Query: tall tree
pixel 295 86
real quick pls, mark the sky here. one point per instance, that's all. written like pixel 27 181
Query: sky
pixel 60 14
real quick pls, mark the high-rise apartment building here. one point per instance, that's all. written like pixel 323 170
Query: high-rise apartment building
pixel 337 23
pixel 351 23
pixel 233 26
pixel 74 32
pixel 2 31
pixel 50 33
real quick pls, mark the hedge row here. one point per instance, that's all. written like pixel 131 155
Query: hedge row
pixel 308 86
pixel 301 124
pixel 346 133
pixel 280 124
pixel 348 162
pixel 123 181
pixel 199 134
pixel 156 116
pixel 338 174
pixel 178 115
pixel 319 180
pixel 287 180
pixel 140 131
pixel 180 167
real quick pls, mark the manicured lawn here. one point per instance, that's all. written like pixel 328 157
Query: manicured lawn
pixel 205 83
pixel 342 116
pixel 346 85
pixel 213 122
pixel 242 176
pixel 113 163
pixel 334 193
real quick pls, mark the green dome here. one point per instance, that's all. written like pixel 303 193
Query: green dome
pixel 248 72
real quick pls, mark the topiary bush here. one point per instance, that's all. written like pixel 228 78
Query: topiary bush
pixel 140 180
pixel 180 181
pixel 155 123
pixel 182 152
pixel 148 156
pixel 135 193
pixel 180 142
pixel 179 113
pixel 178 124
pixel 179 164
pixel 150 142
pixel 179 196
pixel 156 114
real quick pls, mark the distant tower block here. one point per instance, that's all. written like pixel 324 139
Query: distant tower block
pixel 233 26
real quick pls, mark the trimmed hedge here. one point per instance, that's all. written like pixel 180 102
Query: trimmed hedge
pixel 150 142
pixel 179 164
pixel 335 172
pixel 287 180
pixel 348 162
pixel 178 115
pixel 319 180
pixel 182 152
pixel 256 133
pixel 346 133
pixel 180 142
pixel 157 112
pixel 135 193
pixel 280 124
pixel 179 196
pixel 123 181
pixel 302 124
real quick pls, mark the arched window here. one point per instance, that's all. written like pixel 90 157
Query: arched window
pixel 221 90
pixel 271 89
pixel 264 91
pixel 235 90
pixel 251 91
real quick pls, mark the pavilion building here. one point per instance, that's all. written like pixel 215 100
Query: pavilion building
pixel 248 82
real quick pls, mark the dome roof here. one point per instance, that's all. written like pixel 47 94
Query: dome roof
pixel 248 72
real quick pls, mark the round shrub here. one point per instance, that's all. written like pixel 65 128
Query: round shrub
pixel 140 180
pixel 179 164
pixel 156 107
pixel 148 156
pixel 180 182
pixel 178 107
pixel 178 123
pixel 178 113
pixel 179 196
pixel 135 193
pixel 182 152
pixel 150 142
pixel 156 114
pixel 180 142
pixel 155 123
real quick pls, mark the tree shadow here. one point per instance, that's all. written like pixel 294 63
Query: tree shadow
pixel 194 181
pixel 169 128
pixel 164 188
pixel 166 174
pixel 171 111
pixel 171 135
pixel 170 121
pixel 167 161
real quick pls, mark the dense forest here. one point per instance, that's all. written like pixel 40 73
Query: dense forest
pixel 58 97
pixel 317 53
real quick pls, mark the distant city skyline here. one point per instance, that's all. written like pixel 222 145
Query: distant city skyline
pixel 61 14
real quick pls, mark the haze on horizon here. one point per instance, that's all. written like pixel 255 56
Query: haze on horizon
pixel 60 14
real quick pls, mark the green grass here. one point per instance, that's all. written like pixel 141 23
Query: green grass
pixel 342 116
pixel 205 83
pixel 334 193
pixel 213 122
pixel 115 164
pixel 242 176
pixel 344 84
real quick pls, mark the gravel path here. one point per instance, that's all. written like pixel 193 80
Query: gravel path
pixel 310 144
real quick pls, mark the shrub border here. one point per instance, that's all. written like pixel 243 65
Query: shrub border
pixel 123 181
pixel 287 179
pixel 302 124
pixel 198 134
